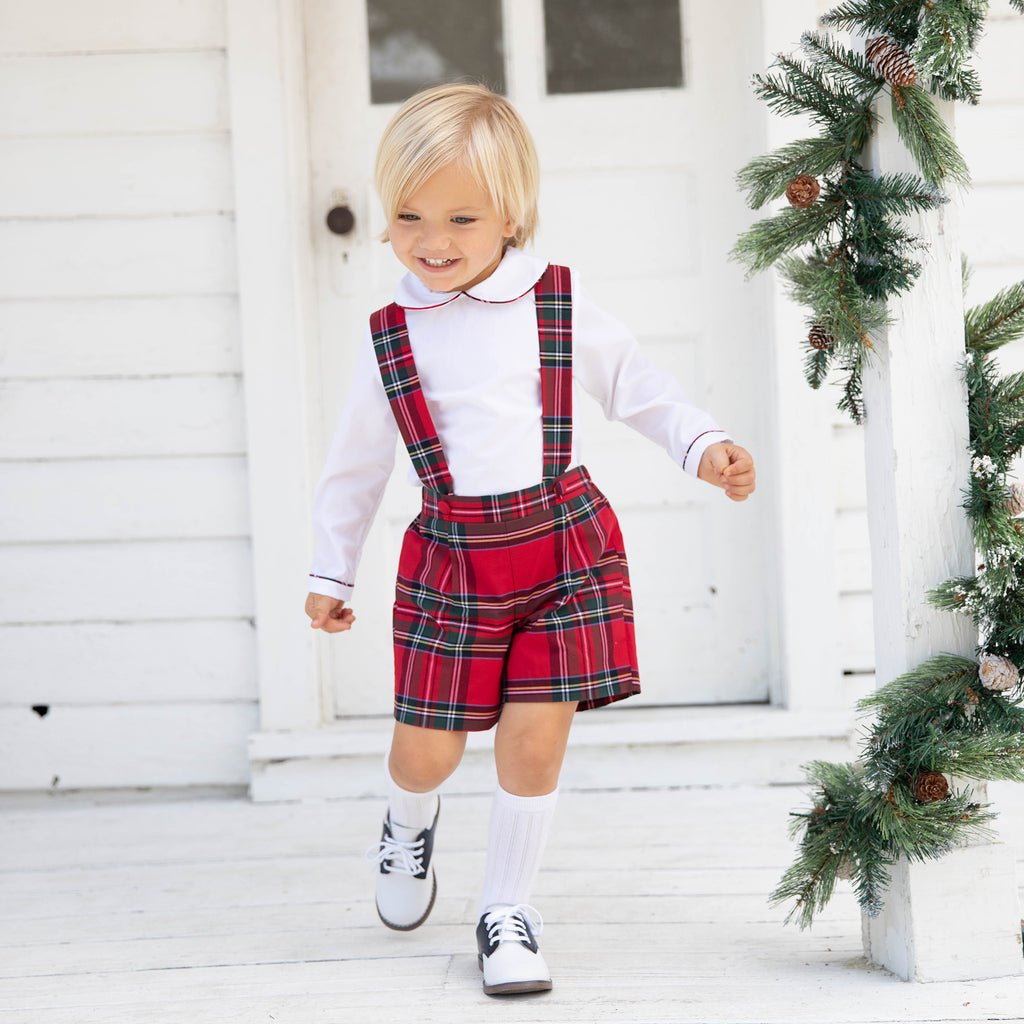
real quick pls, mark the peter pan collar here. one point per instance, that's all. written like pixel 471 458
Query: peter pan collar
pixel 514 276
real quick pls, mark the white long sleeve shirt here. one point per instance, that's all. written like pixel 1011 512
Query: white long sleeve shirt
pixel 477 355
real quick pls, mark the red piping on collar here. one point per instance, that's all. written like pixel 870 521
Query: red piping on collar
pixel 489 302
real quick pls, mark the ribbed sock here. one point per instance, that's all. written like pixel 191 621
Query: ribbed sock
pixel 409 810
pixel 517 837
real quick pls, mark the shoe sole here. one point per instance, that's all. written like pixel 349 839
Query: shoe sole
pixel 511 988
pixel 426 913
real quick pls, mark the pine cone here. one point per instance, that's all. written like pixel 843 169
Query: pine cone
pixel 891 61
pixel 1015 504
pixel 929 787
pixel 802 191
pixel 820 338
pixel 997 673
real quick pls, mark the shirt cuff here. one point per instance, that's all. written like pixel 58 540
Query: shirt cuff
pixel 330 588
pixel 700 444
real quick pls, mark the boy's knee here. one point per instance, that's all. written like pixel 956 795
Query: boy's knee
pixel 530 767
pixel 420 767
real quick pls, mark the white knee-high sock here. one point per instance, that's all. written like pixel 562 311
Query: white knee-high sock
pixel 409 810
pixel 518 834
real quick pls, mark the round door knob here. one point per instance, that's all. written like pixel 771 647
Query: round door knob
pixel 341 220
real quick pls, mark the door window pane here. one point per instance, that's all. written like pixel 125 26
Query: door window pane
pixel 601 45
pixel 414 45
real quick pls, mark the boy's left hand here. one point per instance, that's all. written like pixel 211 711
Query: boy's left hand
pixel 730 467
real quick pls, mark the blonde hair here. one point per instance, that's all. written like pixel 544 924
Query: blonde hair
pixel 473 127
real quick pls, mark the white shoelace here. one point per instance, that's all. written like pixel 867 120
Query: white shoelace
pixel 508 924
pixel 402 858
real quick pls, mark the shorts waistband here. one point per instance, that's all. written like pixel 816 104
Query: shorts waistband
pixel 496 508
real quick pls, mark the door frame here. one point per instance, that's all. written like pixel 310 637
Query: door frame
pixel 274 224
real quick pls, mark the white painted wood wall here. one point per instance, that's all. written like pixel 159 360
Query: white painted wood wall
pixel 126 591
pixel 126 597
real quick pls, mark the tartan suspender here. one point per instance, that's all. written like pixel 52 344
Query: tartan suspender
pixel 553 299
pixel 402 387
pixel 553 296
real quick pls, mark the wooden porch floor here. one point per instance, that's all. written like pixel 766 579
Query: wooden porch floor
pixel 211 909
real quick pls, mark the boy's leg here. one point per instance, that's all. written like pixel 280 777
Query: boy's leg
pixel 529 747
pixel 421 759
pixel 418 762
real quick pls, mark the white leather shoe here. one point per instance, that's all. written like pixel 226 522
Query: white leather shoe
pixel 506 938
pixel 406 884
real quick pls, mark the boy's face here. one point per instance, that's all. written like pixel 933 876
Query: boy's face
pixel 449 233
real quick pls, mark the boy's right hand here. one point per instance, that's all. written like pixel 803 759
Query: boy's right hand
pixel 328 613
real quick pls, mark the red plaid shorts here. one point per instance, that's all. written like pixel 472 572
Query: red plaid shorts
pixel 514 597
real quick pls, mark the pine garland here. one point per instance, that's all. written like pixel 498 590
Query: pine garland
pixel 849 240
pixel 943 717
pixel 843 252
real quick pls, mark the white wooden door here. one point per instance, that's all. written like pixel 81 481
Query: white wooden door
pixel 637 195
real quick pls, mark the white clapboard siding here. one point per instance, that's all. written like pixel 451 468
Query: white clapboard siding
pixel 56 26
pixel 123 499
pixel 109 257
pixel 126 175
pixel 88 418
pixel 125 744
pixel 173 335
pixel 984 232
pixel 999 51
pixel 127 604
pixel 125 582
pixel 128 662
pixel 113 93
pixel 977 126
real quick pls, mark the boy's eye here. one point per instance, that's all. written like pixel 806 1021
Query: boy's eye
pixel 407 216
pixel 463 220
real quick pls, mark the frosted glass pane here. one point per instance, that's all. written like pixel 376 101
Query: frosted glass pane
pixel 603 45
pixel 414 45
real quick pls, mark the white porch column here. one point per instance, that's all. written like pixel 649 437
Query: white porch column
pixel 955 918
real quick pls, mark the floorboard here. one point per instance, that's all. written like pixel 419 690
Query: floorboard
pixel 215 910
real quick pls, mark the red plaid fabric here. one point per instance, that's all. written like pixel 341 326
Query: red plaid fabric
pixel 522 596
pixel 402 387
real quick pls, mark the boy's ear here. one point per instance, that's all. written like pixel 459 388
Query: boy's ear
pixel 510 228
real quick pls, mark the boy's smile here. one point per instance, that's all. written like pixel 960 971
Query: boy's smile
pixel 449 232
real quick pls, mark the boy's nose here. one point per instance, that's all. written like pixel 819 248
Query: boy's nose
pixel 435 238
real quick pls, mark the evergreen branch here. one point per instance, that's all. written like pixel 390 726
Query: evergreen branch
pixel 899 19
pixel 1017 5
pixel 828 286
pixel 797 89
pixel 994 323
pixel 768 240
pixel 847 66
pixel 852 401
pixel 909 692
pixel 948 34
pixel 765 178
pixel 816 367
pixel 898 194
pixel 927 136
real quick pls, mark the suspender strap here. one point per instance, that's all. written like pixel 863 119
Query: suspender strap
pixel 402 387
pixel 553 297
